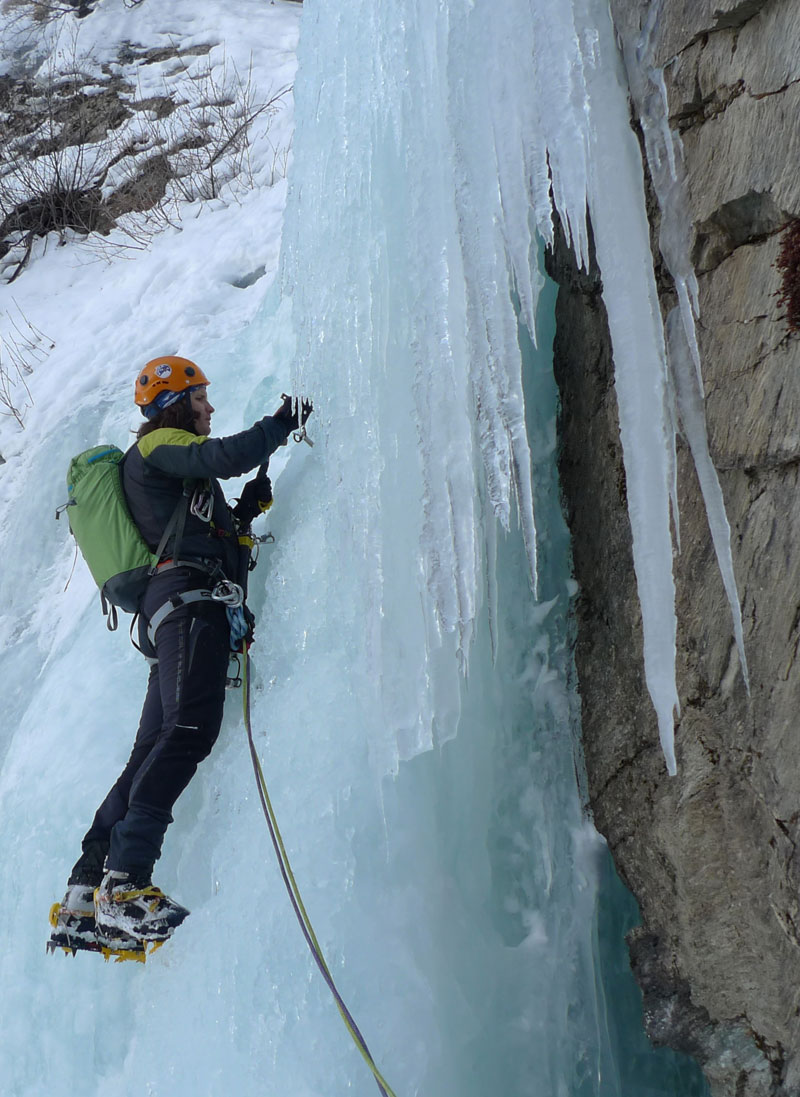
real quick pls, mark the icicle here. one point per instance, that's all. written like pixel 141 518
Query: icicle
pixel 665 161
pixel 622 243
pixel 693 420
pixel 561 119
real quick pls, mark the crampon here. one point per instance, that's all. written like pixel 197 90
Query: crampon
pixel 86 939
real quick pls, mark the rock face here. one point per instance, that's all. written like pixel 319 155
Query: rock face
pixel 712 854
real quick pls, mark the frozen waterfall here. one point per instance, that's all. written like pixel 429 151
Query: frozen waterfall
pixel 414 701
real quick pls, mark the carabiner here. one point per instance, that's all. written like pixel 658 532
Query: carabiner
pixel 228 593
pixel 202 505
pixel 234 681
pixel 302 435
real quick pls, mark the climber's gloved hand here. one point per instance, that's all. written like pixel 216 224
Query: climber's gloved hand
pixel 256 498
pixel 293 412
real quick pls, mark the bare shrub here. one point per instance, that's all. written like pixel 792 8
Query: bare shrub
pixel 80 154
pixel 206 139
pixel 54 155
pixel 46 11
pixel 22 347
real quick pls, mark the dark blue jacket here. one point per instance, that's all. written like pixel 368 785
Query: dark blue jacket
pixel 155 469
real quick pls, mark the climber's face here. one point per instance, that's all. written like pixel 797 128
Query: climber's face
pixel 202 410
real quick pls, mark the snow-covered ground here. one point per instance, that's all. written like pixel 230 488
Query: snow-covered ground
pixel 103 318
pixel 431 815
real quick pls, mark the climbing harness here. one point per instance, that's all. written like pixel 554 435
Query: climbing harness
pixel 225 592
pixel 294 891
pixel 185 598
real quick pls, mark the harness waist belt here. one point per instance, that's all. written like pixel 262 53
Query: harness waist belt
pixel 202 565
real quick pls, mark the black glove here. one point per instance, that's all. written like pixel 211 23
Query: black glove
pixel 293 412
pixel 256 498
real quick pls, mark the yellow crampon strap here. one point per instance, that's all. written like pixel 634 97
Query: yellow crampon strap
pixel 149 892
pixel 118 955
pixel 294 891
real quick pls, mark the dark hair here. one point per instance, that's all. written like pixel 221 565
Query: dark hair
pixel 179 416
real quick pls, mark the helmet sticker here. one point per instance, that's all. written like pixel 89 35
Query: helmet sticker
pixel 163 370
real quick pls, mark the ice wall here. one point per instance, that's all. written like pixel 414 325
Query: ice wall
pixel 548 111
pixel 430 163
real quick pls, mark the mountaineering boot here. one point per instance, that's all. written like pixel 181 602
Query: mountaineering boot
pixel 129 906
pixel 73 921
pixel 75 928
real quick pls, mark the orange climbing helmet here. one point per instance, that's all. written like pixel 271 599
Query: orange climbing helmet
pixel 165 380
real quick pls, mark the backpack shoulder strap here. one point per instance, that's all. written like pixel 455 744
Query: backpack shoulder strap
pixel 176 525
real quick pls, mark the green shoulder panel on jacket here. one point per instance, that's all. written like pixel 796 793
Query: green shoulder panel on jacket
pixel 167 436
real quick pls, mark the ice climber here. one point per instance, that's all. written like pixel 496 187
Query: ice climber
pixel 170 478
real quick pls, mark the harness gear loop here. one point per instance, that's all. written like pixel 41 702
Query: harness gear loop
pixel 294 892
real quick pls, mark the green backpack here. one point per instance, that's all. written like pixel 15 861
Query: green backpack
pixel 109 540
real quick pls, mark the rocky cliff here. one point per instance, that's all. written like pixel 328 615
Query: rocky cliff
pixel 711 854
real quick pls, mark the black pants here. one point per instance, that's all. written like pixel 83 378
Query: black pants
pixel 179 725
